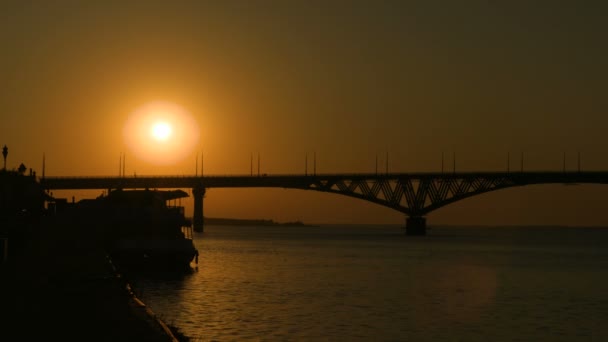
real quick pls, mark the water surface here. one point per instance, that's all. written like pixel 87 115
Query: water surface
pixel 363 283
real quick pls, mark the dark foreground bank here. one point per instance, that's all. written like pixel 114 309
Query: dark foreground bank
pixel 60 284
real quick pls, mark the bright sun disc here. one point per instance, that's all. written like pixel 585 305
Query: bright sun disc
pixel 161 133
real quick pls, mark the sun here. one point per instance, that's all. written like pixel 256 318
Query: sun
pixel 161 132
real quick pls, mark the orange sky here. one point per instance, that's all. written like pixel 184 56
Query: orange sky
pixel 346 80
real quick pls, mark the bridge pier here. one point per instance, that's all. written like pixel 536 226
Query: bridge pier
pixel 415 225
pixel 198 193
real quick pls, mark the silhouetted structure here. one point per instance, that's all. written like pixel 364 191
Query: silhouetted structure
pixel 22 205
pixel 138 228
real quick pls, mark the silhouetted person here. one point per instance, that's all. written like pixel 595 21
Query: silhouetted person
pixel 4 154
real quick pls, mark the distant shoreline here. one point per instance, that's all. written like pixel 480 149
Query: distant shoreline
pixel 251 222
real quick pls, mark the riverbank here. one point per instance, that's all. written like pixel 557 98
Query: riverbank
pixel 60 284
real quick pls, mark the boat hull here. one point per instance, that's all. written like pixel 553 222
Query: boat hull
pixel 154 254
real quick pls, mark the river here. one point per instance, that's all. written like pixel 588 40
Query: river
pixel 366 282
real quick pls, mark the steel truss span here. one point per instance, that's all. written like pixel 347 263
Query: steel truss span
pixel 419 194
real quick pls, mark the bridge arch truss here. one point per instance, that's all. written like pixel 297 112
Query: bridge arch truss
pixel 416 195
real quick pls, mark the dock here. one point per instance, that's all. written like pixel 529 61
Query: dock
pixel 63 286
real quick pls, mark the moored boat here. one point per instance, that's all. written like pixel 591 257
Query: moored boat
pixel 141 230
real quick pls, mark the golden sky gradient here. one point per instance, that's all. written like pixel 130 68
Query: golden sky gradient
pixel 346 80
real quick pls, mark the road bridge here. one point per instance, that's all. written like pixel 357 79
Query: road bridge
pixel 414 194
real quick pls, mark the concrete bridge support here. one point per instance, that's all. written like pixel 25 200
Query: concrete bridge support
pixel 415 225
pixel 197 218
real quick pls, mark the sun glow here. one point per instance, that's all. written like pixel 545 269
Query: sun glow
pixel 161 133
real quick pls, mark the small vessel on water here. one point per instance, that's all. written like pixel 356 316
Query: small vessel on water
pixel 141 230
